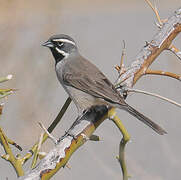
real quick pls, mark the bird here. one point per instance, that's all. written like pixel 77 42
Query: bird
pixel 85 84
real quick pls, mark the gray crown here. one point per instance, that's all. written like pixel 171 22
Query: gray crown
pixel 61 46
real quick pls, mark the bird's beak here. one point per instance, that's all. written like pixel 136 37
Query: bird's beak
pixel 48 44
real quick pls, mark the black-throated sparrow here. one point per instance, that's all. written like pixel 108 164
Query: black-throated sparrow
pixel 86 85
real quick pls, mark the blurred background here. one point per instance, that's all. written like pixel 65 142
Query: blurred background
pixel 98 27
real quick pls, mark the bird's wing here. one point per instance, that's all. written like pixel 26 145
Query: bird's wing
pixel 88 78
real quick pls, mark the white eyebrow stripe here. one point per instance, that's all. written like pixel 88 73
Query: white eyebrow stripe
pixel 64 40
pixel 62 52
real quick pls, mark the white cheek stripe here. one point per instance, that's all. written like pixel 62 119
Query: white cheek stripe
pixel 65 40
pixel 62 52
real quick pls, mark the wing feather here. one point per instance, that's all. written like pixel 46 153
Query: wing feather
pixel 90 79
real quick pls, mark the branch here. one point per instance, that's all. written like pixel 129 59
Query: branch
pixel 50 129
pixel 163 73
pixel 18 161
pixel 4 140
pixel 76 136
pixel 15 161
pixel 148 54
pixel 122 145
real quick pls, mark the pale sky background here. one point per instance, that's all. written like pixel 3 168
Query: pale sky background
pixel 98 27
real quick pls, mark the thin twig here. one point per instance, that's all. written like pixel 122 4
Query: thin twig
pixel 49 135
pixel 155 11
pixel 155 95
pixel 122 56
pixel 36 153
pixel 121 69
pixel 163 73
pixel 6 94
pixel 175 50
pixel 4 79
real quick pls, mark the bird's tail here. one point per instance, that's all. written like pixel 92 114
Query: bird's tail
pixel 144 119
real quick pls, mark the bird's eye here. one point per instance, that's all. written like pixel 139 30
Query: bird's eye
pixel 60 44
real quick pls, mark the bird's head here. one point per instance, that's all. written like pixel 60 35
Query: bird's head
pixel 61 46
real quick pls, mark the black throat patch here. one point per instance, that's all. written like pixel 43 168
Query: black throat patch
pixel 57 55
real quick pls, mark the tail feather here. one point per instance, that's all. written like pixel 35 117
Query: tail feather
pixel 144 119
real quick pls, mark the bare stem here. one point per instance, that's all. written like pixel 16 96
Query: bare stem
pixel 155 11
pixel 155 95
pixel 16 162
pixel 163 73
pixel 175 50
pixel 123 142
